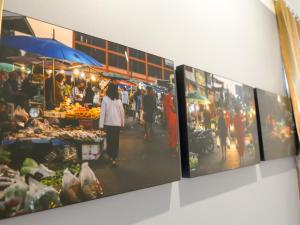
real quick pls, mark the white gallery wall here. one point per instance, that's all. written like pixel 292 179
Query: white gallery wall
pixel 234 38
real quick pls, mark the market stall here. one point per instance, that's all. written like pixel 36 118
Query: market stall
pixel 48 147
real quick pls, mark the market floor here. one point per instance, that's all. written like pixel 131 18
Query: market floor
pixel 141 164
pixel 213 162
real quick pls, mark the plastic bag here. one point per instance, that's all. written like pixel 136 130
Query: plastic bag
pixel 44 171
pixel 30 166
pixel 14 195
pixel 71 187
pixel 90 185
pixel 41 197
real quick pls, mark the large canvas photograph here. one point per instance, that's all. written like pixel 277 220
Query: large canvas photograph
pixel 219 118
pixel 81 117
pixel 276 124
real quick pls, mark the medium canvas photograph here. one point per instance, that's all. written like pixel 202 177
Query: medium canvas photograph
pixel 219 116
pixel 81 117
pixel 276 123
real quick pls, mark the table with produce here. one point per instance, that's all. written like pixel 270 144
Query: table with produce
pixel 75 114
pixel 44 164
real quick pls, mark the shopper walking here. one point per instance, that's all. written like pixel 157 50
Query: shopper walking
pixel 206 118
pixel 149 106
pixel 223 133
pixel 239 133
pixel 112 119
pixel 125 100
pixel 171 119
pixel 138 103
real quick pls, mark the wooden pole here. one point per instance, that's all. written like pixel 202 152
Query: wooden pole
pixel 1 13
pixel 44 85
pixel 53 76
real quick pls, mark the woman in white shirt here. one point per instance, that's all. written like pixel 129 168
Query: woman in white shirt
pixel 112 118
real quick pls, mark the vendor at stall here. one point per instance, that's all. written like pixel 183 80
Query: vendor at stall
pixel 3 79
pixel 54 93
pixel 89 94
pixel 78 93
pixel 6 124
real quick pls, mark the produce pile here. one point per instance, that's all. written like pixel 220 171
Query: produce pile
pixel 78 135
pixel 77 111
pixel 43 130
pixel 193 161
pixel 73 111
pixel 33 191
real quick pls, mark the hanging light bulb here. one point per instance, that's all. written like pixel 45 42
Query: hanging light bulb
pixel 76 72
pixel 93 78
pixel 82 75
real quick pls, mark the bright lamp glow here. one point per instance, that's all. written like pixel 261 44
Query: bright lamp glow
pixel 76 72
pixel 82 75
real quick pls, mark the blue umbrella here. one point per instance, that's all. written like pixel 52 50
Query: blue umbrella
pixel 49 48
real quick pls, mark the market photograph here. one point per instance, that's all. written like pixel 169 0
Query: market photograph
pixel 221 123
pixel 277 128
pixel 81 117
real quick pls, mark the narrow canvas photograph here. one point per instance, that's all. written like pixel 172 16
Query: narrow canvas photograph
pixel 81 117
pixel 276 123
pixel 219 117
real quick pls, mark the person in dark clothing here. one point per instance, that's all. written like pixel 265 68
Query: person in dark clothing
pixel 3 79
pixel 54 91
pixel 27 88
pixel 138 103
pixel 48 92
pixel 89 94
pixel 206 119
pixel 222 132
pixel 10 88
pixel 149 106
pixel 59 92
pixel 6 125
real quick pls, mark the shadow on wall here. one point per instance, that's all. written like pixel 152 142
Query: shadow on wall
pixel 200 188
pixel 275 167
pixel 123 209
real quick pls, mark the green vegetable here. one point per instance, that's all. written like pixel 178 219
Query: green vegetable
pixel 25 170
pixel 4 157
pixel 28 162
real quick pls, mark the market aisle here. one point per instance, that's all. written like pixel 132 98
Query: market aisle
pixel 212 162
pixel 141 163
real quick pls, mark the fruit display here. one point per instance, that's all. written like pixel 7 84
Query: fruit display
pixel 79 112
pixel 73 111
